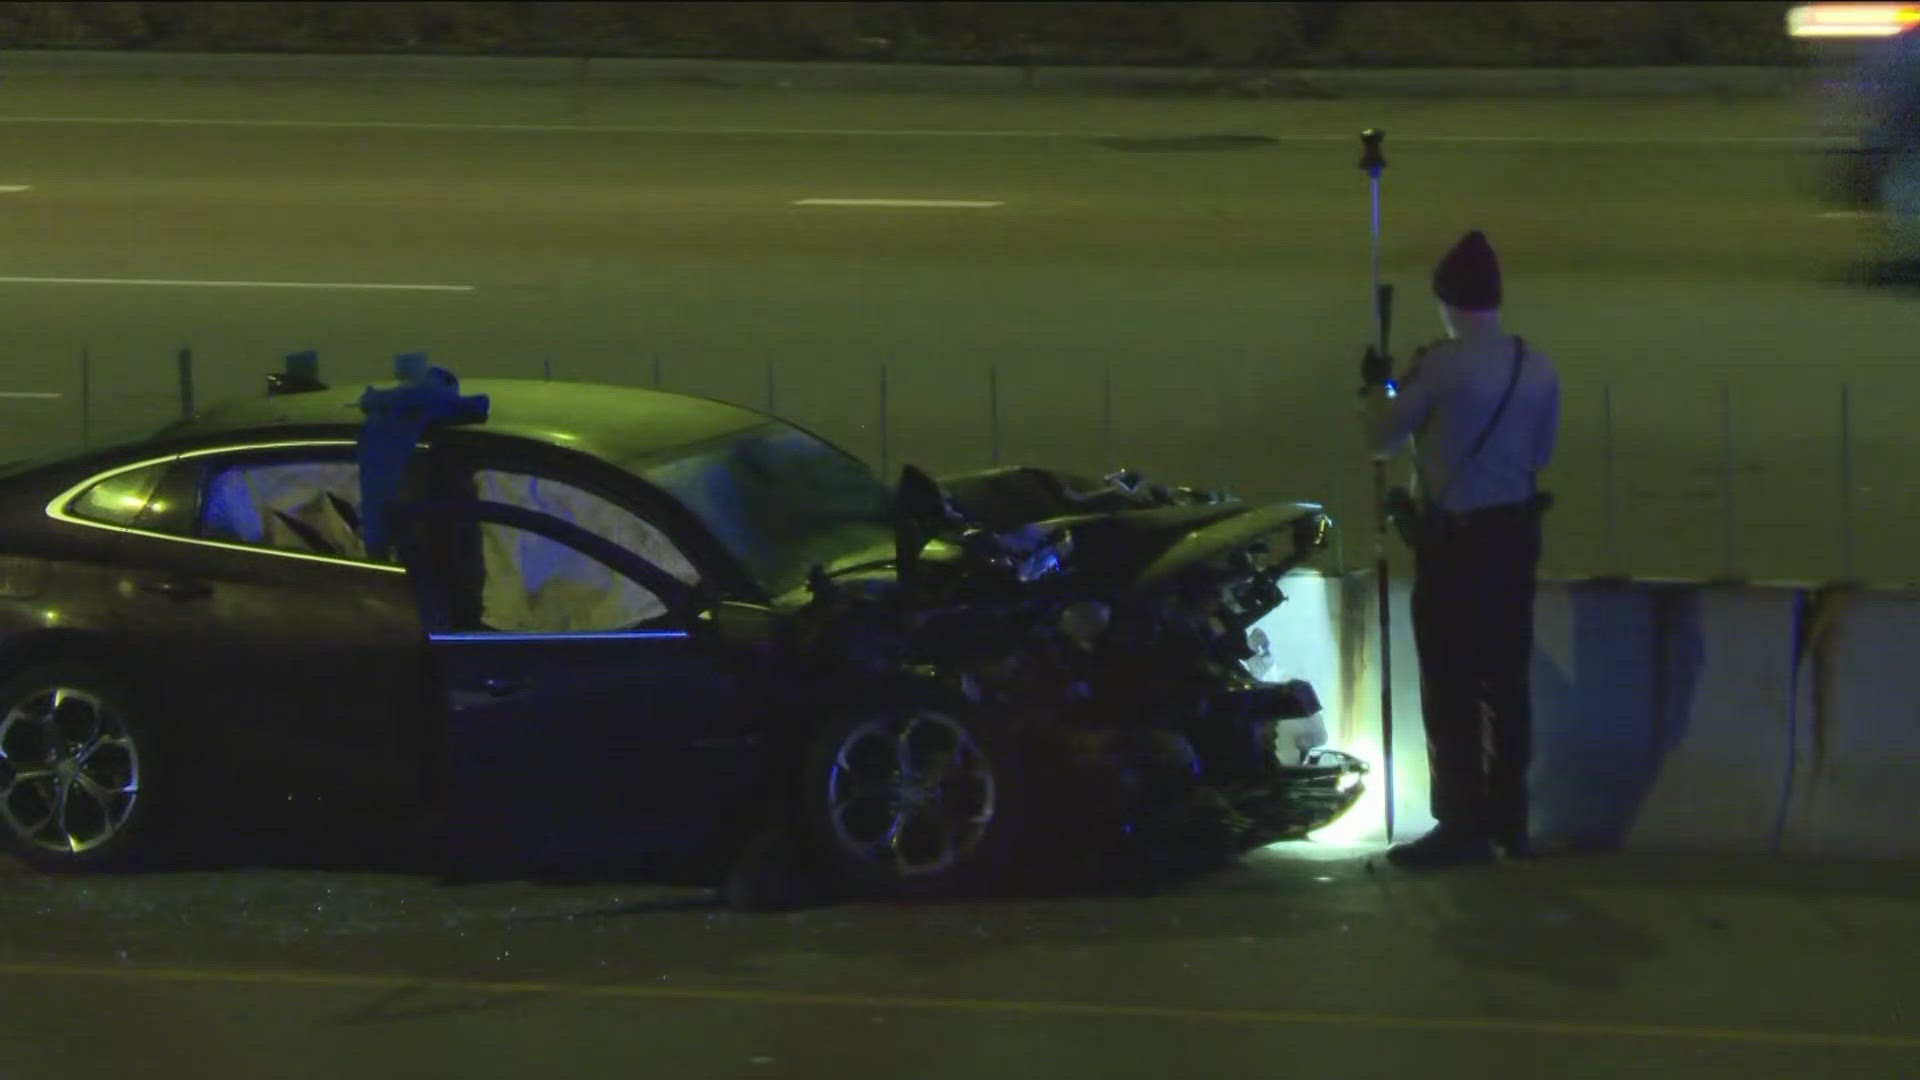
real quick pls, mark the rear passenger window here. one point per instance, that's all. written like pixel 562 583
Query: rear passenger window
pixel 118 499
pixel 307 506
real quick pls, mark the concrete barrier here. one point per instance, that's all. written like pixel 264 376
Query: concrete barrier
pixel 1669 716
pixel 1718 759
pixel 1328 633
pixel 1304 636
pixel 1859 729
pixel 1598 703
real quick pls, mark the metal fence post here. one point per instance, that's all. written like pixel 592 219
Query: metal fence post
pixel 1338 511
pixel 1613 507
pixel 1846 482
pixel 1107 463
pixel 1726 473
pixel 86 399
pixel 186 382
pixel 993 413
pixel 1223 444
pixel 883 421
pixel 656 371
pixel 546 368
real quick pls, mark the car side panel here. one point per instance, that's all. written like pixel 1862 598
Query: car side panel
pixel 59 609
pixel 56 588
pixel 304 683
pixel 564 747
pixel 298 681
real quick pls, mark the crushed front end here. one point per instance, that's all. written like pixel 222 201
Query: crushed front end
pixel 1118 619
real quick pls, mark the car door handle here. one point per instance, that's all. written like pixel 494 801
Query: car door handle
pixel 177 588
pixel 503 687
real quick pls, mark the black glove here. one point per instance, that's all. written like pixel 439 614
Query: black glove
pixel 1376 369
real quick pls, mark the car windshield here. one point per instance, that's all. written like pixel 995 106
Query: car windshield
pixel 779 499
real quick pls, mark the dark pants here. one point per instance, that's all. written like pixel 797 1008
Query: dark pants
pixel 1473 622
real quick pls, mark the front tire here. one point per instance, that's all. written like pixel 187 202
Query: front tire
pixel 81 771
pixel 919 804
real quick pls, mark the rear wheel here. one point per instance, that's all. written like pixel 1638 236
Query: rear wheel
pixel 79 770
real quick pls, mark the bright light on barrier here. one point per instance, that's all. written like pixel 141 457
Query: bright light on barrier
pixel 1304 642
pixel 1366 822
pixel 1851 20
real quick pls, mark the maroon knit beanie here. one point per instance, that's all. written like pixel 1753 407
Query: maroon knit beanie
pixel 1469 276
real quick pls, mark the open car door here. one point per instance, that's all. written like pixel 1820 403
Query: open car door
pixel 629 734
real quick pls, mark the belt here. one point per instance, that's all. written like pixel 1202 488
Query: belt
pixel 1496 512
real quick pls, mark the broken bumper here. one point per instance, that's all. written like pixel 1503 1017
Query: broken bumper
pixel 1302 799
pixel 1289 805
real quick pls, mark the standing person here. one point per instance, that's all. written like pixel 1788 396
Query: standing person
pixel 1485 406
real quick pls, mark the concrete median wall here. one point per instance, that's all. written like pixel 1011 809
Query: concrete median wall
pixel 1714 764
pixel 1857 778
pixel 1669 716
pixel 623 71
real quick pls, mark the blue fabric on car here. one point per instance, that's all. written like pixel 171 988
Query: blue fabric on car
pixel 396 418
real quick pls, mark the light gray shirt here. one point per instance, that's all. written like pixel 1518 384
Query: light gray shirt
pixel 1446 397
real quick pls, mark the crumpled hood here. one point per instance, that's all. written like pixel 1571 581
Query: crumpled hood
pixel 1304 524
pixel 1139 537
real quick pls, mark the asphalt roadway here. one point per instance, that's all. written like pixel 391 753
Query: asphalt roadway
pixel 1172 283
pixel 1303 961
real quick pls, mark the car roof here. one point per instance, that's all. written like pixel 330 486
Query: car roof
pixel 618 423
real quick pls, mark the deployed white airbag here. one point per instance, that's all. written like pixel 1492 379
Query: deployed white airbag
pixel 292 505
pixel 537 585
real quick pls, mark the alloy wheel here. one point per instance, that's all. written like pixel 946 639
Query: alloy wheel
pixel 69 771
pixel 915 793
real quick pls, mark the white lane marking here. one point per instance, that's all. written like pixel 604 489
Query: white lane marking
pixel 914 133
pixel 910 203
pixel 1847 215
pixel 30 395
pixel 363 285
pixel 14 189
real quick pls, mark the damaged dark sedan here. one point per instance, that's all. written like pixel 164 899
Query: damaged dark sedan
pixel 608 623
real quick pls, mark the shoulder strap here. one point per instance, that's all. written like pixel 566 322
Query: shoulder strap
pixel 1519 353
